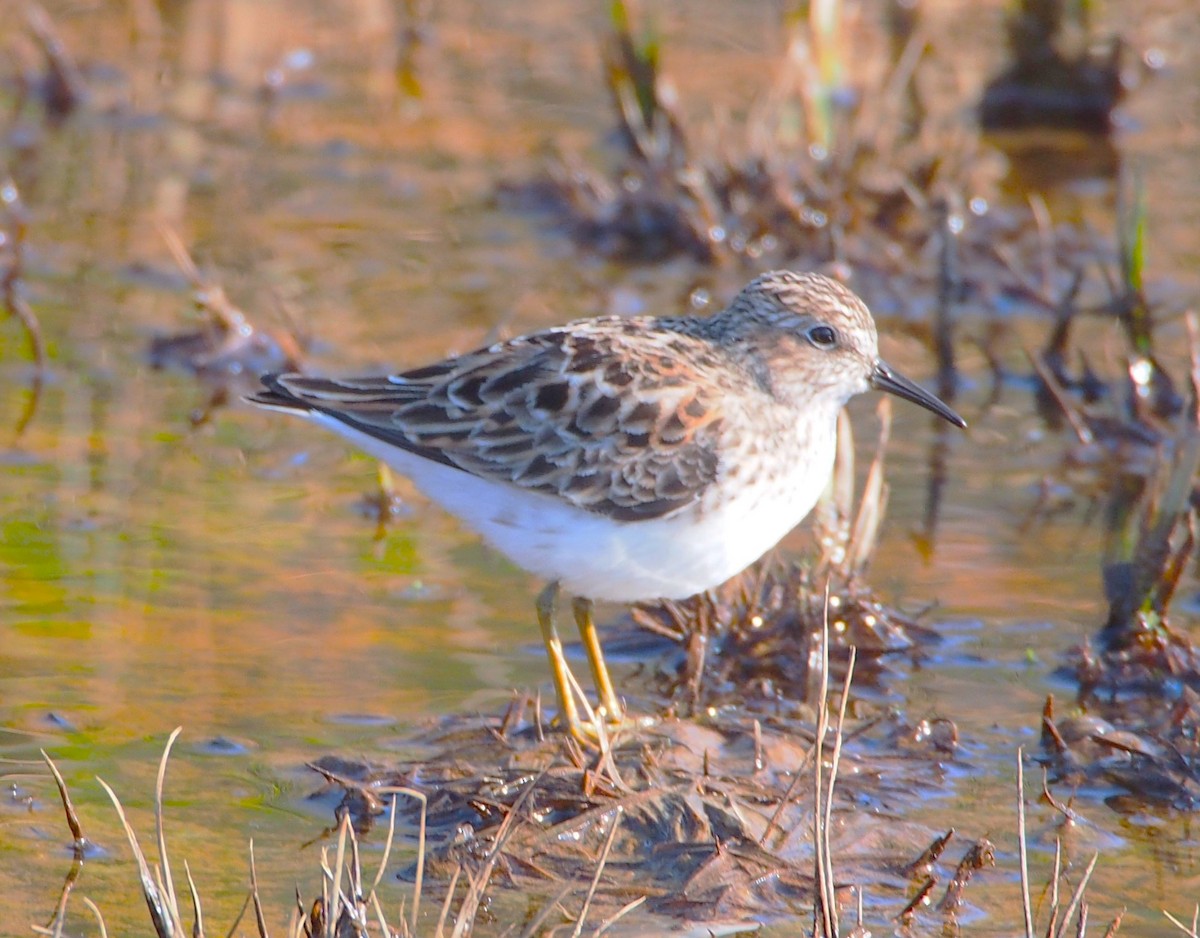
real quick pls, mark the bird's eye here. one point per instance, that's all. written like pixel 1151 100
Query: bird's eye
pixel 822 336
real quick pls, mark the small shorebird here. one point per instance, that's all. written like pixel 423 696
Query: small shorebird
pixel 626 459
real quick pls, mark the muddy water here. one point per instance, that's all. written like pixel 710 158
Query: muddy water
pixel 224 577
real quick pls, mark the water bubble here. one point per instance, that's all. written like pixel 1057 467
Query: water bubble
pixel 299 59
pixel 1141 371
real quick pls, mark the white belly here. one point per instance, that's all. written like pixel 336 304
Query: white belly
pixel 597 557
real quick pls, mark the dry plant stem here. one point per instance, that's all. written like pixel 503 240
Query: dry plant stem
pixel 843 478
pixel 909 912
pixel 617 916
pixel 59 917
pixel 67 89
pixel 865 533
pixel 259 919
pixel 822 912
pixel 476 882
pixel 209 296
pixel 949 285
pixel 1082 432
pixel 391 836
pixel 334 908
pixel 607 849
pixel 197 914
pixel 544 913
pixel 1189 930
pixel 350 902
pixel 157 885
pixel 163 862
pixel 1193 330
pixel 326 876
pixel 1030 290
pixel 354 901
pixel 773 823
pixel 603 744
pixel 1077 899
pixel 439 932
pixel 99 917
pixel 1045 231
pixel 1055 879
pixel 13 235
pixel 898 82
pixel 835 764
pixel 823 795
pixel 164 923
pixel 237 920
pixel 930 855
pixel 1023 847
pixel 387 846
pixel 377 906
pixel 68 808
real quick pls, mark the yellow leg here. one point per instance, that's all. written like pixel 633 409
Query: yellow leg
pixel 568 713
pixel 595 655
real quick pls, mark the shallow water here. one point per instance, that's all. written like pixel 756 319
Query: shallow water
pixel 224 577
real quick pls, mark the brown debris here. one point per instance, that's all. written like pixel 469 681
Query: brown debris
pixel 228 351
pixel 14 231
pixel 759 636
pixel 979 855
pixel 1140 679
pixel 1048 84
pixel 63 90
pixel 688 827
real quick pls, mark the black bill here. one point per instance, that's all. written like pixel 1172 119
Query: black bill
pixel 886 378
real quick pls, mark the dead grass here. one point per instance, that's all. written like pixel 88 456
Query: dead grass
pixel 349 901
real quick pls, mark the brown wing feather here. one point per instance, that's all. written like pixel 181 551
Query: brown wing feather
pixel 568 412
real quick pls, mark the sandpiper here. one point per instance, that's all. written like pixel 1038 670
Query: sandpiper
pixel 626 459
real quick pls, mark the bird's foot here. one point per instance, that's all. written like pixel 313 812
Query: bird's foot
pixel 602 731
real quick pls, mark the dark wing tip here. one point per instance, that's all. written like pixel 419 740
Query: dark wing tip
pixel 276 396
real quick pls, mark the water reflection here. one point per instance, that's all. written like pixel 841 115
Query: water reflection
pixel 221 577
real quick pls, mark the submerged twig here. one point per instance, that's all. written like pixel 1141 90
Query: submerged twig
pixel 64 88
pixel 14 230
pixel 81 841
